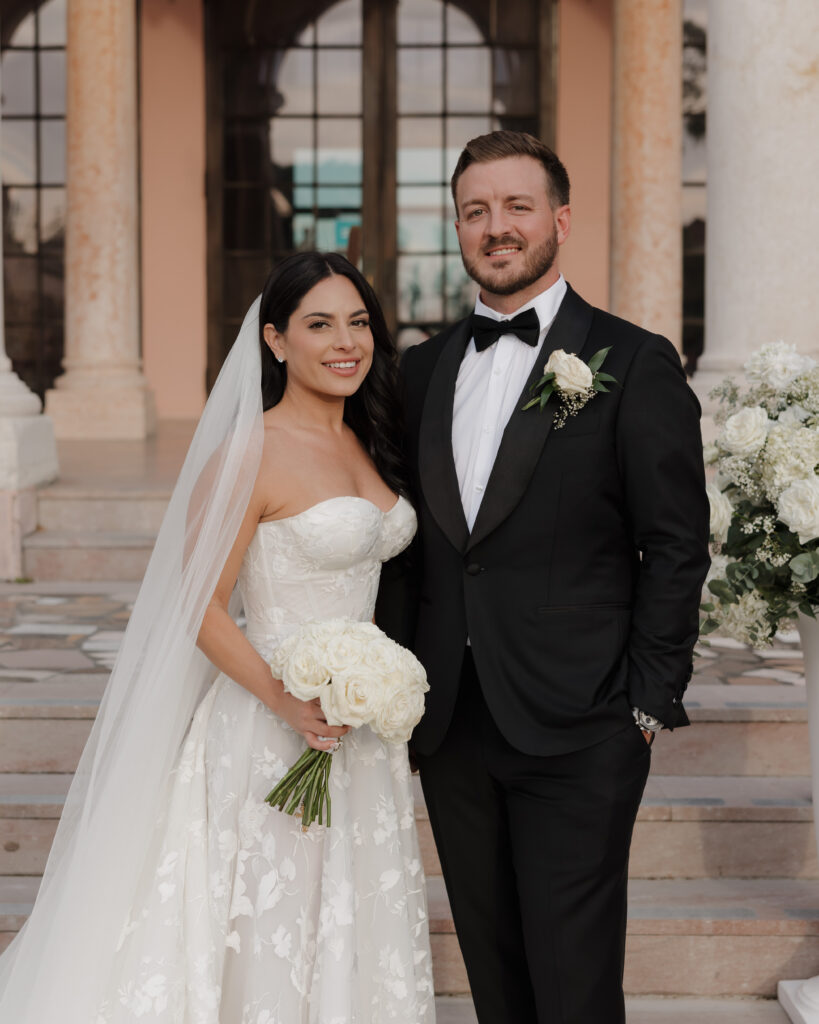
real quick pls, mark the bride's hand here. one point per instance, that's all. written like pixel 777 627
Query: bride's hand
pixel 307 718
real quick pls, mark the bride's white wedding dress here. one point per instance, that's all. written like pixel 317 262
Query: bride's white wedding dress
pixel 244 918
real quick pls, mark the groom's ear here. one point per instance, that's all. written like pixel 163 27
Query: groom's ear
pixel 563 222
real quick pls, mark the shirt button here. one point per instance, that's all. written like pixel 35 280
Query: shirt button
pixel 478 487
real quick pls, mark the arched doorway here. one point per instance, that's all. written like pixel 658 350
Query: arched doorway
pixel 336 125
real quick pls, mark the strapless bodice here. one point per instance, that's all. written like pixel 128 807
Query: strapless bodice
pixel 323 563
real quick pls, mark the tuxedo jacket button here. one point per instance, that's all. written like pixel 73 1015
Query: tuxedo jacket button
pixel 473 569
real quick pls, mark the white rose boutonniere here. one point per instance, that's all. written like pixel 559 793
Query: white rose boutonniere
pixel 574 383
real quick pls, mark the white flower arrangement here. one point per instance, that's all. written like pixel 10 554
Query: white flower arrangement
pixel 765 498
pixel 573 382
pixel 360 677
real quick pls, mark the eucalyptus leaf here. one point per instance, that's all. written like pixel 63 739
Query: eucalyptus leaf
pixel 708 626
pixel 607 377
pixel 723 590
pixel 805 567
pixel 600 387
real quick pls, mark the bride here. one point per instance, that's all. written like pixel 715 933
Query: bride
pixel 173 892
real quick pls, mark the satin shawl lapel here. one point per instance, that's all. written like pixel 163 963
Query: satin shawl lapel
pixel 526 432
pixel 436 463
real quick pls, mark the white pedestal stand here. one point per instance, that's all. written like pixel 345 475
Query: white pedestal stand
pixel 800 999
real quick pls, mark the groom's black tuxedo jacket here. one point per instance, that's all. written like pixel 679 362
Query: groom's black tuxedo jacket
pixel 580 582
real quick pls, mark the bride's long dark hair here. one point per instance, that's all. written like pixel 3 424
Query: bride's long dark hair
pixel 374 411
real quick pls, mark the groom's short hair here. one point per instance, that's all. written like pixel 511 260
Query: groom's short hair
pixel 501 144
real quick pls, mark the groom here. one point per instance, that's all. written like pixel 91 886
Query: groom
pixel 559 569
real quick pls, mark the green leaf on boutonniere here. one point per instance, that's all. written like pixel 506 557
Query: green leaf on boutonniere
pixel 596 360
pixel 607 377
pixel 544 395
pixel 807 609
pixel 600 387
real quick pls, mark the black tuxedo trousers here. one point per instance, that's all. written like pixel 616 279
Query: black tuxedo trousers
pixel 534 852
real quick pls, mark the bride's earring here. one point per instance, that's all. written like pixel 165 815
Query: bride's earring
pixel 279 359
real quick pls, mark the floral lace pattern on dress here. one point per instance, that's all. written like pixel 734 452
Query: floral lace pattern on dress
pixel 244 917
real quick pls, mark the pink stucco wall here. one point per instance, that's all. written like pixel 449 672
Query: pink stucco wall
pixel 584 140
pixel 174 249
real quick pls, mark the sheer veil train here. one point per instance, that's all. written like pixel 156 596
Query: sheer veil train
pixel 57 965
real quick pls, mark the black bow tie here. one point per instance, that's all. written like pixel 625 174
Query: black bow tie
pixel 486 330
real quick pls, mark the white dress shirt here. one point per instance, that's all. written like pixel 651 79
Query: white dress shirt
pixel 486 392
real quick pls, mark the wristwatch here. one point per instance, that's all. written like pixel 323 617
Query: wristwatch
pixel 647 722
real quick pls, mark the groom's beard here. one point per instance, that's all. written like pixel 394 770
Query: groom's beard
pixel 502 280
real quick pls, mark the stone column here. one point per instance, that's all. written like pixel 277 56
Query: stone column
pixel 102 393
pixel 646 259
pixel 762 258
pixel 28 454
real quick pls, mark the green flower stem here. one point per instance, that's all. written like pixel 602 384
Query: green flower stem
pixel 305 787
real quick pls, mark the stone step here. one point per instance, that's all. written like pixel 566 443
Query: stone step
pixel 44 724
pixel 686 828
pixel 86 509
pixel 736 730
pixel 708 937
pixel 695 827
pixel 651 1010
pixel 86 555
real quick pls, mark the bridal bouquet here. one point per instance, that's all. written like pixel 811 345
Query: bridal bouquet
pixel 361 677
pixel 765 498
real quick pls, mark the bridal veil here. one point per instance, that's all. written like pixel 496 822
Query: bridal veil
pixel 112 823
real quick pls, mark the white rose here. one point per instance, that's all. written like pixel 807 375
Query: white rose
pixel 280 657
pixel 382 656
pixel 721 512
pixel 794 415
pixel 305 673
pixel 400 712
pixel 799 508
pixel 777 365
pixel 744 433
pixel 413 670
pixel 572 375
pixel 710 454
pixel 344 651
pixel 352 698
